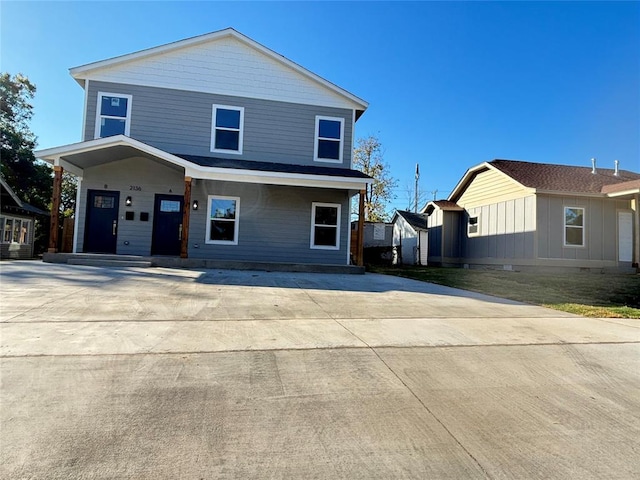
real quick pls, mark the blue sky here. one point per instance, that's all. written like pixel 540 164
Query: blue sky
pixel 450 84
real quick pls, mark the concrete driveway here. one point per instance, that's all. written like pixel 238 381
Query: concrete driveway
pixel 159 373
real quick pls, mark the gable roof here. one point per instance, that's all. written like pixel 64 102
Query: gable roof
pixel 11 201
pixel 442 205
pixel 194 51
pixel 549 178
pixel 418 221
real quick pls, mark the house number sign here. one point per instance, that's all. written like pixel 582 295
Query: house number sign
pixel 135 188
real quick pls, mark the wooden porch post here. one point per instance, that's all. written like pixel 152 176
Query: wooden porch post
pixel 55 209
pixel 360 246
pixel 186 213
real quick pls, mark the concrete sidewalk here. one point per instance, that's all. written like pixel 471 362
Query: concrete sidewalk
pixel 159 373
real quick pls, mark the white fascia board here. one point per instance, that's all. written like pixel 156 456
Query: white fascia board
pixel 83 72
pixel 276 178
pixel 622 193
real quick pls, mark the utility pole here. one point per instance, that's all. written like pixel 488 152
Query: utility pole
pixel 416 189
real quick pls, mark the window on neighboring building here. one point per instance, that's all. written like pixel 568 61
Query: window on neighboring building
pixel 328 139
pixel 325 226
pixel 222 220
pixel 573 227
pixel 113 116
pixel 227 129
pixel 472 225
pixel 15 230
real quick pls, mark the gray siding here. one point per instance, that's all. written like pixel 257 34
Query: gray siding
pixel 151 177
pixel 275 223
pixel 506 232
pixel 180 122
pixel 601 231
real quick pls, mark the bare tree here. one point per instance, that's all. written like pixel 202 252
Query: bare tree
pixel 368 158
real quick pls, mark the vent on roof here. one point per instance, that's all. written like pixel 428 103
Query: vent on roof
pixel 593 166
pixel 616 164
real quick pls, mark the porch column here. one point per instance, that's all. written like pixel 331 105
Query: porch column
pixel 186 213
pixel 55 209
pixel 360 246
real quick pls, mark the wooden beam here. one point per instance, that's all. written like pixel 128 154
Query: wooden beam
pixel 186 213
pixel 55 209
pixel 360 247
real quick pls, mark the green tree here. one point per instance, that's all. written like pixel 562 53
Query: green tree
pixel 30 179
pixel 368 157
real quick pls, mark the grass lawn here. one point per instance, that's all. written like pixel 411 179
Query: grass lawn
pixel 588 294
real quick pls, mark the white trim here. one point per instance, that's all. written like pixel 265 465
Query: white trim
pixel 28 235
pixel 313 225
pixel 214 128
pixel 353 136
pixel 99 116
pixel 564 226
pixel 317 138
pixel 76 220
pixel 84 113
pixel 84 71
pixel 236 221
pixel 477 232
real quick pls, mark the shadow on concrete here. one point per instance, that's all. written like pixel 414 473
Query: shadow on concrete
pixel 63 275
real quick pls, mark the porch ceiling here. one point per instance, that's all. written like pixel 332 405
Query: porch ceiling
pixel 114 153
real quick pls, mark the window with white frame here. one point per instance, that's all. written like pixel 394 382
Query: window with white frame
pixel 325 226
pixel 222 220
pixel 113 114
pixel 227 129
pixel 473 226
pixel 328 139
pixel 573 227
pixel 15 230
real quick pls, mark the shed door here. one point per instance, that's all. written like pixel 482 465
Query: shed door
pixel 625 236
pixel 423 247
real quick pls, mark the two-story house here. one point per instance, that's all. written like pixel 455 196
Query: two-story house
pixel 214 147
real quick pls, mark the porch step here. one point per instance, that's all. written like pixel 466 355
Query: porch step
pixel 105 262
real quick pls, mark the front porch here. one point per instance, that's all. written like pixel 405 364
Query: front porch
pixel 100 260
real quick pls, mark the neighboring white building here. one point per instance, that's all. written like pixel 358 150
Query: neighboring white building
pixel 410 238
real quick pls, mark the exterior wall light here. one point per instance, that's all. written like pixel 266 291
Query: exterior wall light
pixel 128 202
pixel 195 204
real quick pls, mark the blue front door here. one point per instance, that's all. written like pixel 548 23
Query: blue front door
pixel 101 226
pixel 167 225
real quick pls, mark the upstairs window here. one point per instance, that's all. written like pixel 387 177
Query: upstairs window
pixel 113 115
pixel 328 139
pixel 223 215
pixel 573 227
pixel 227 131
pixel 325 226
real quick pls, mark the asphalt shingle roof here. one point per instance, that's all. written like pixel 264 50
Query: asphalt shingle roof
pixel 416 220
pixel 271 167
pixel 562 178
